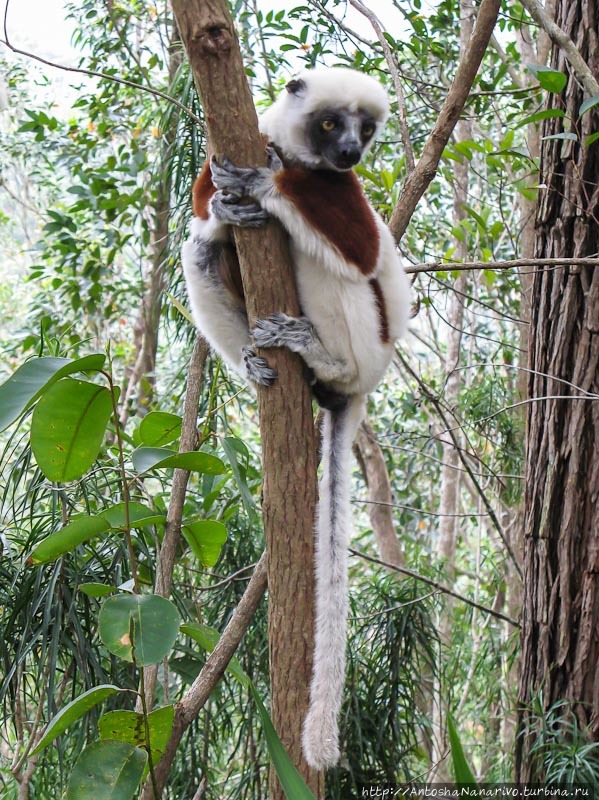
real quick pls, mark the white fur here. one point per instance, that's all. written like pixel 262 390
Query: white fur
pixel 348 355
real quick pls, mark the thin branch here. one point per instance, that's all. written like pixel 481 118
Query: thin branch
pixel 496 523
pixel 93 74
pixel 436 585
pixel 212 671
pixel 566 45
pixel 458 266
pixel 426 169
pixel 394 70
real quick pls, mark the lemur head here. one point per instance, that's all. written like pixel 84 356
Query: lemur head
pixel 327 117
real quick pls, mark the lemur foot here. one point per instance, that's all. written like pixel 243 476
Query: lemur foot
pixel 243 181
pixel 231 209
pixel 257 369
pixel 281 330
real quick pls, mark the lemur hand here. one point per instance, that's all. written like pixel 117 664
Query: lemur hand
pixel 244 181
pixel 240 211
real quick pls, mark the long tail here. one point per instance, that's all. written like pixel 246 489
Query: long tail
pixel 333 528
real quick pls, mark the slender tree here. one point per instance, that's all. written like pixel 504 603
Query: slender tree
pixel 560 646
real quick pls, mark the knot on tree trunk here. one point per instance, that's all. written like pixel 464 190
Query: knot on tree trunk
pixel 215 39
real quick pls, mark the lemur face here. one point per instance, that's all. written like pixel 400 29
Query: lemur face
pixel 339 136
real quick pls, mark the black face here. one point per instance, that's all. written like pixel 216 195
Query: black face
pixel 340 136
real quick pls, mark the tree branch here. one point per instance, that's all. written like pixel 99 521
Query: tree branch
pixel 458 266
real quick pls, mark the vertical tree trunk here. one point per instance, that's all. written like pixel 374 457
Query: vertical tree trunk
pixel 285 409
pixel 560 645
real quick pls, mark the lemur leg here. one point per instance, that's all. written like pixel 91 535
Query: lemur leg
pixel 222 321
pixel 299 335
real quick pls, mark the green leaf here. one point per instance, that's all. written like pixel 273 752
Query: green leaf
pixel 93 589
pixel 146 458
pixel 463 773
pixel 206 538
pixel 35 376
pixel 566 136
pixel 291 781
pixel 152 620
pixel 233 448
pixel 74 711
pixel 590 139
pixel 67 428
pixel 158 428
pixel 180 308
pixel 589 103
pixel 208 638
pixel 548 113
pixel 140 516
pixel 550 79
pixel 79 530
pixel 107 770
pixel 128 726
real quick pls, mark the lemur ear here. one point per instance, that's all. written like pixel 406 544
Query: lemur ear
pixel 296 86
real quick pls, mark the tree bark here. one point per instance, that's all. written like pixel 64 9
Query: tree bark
pixel 285 410
pixel 560 643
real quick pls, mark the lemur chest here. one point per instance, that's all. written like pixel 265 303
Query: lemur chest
pixel 334 204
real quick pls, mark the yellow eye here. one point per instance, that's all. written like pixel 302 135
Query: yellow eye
pixel 328 125
pixel 367 130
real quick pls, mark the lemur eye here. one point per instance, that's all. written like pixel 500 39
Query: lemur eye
pixel 368 129
pixel 328 125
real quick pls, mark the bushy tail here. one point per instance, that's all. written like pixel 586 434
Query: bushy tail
pixel 333 528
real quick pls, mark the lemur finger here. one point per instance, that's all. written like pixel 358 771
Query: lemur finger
pixel 281 330
pixel 227 177
pixel 257 369
pixel 274 162
pixel 230 210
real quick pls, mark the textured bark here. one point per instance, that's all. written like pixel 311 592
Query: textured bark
pixel 380 510
pixel 286 425
pixel 560 633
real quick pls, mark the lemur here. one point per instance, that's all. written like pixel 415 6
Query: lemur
pixel 354 297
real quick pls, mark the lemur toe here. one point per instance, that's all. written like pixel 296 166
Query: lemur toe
pixel 274 162
pixel 257 369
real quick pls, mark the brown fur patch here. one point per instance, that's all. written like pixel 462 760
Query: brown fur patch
pixel 334 204
pixel 203 189
pixel 381 307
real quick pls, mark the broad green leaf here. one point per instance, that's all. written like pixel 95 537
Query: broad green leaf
pixel 33 377
pixel 128 726
pixel 548 113
pixel 550 79
pixel 589 103
pixel 206 538
pixel 79 530
pixel 291 781
pixel 463 773
pixel 93 589
pixel 566 136
pixel 74 711
pixel 153 621
pixel 67 428
pixel 158 428
pixel 208 638
pixel 146 458
pixel 140 516
pixel 107 770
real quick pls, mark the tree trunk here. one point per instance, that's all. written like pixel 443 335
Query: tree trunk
pixel 285 409
pixel 560 644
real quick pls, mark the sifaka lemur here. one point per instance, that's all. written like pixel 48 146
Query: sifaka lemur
pixel 354 297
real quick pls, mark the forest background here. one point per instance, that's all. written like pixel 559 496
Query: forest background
pixel 97 168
